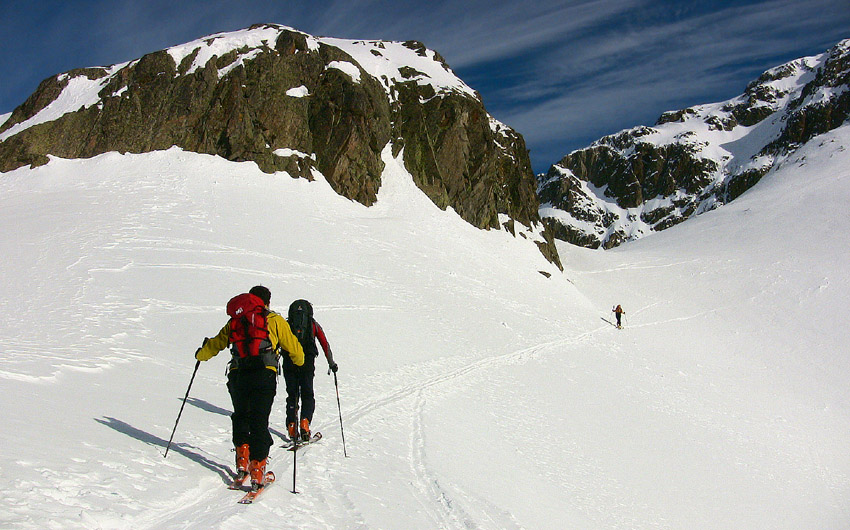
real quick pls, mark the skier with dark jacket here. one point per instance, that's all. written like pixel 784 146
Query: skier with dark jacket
pixel 618 312
pixel 252 379
pixel 299 380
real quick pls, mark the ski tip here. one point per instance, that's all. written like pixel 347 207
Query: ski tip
pixel 296 445
pixel 252 496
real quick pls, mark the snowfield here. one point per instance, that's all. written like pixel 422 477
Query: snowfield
pixel 475 391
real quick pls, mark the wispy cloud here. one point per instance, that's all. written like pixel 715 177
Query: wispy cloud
pixel 476 32
pixel 617 78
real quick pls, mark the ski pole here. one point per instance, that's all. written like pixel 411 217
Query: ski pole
pixel 339 407
pixel 197 364
pixel 295 441
pixel 294 466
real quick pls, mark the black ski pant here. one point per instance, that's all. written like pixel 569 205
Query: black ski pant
pixel 619 316
pixel 252 392
pixel 299 383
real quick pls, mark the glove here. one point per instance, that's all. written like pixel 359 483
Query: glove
pixel 206 340
pixel 333 367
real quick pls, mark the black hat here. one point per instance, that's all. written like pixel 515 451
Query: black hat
pixel 262 292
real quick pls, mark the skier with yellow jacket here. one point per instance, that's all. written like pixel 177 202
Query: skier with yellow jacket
pixel 257 337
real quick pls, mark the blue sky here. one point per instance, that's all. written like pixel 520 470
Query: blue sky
pixel 562 73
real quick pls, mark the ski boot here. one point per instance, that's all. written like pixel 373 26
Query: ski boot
pixel 305 430
pixel 242 459
pixel 242 463
pixel 258 473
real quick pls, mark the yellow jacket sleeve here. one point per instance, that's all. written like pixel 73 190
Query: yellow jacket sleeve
pixel 281 335
pixel 215 344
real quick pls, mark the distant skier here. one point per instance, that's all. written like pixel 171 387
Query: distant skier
pixel 256 336
pixel 618 312
pixel 299 380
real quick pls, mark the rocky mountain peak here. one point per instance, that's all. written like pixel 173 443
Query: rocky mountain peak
pixel 291 102
pixel 638 181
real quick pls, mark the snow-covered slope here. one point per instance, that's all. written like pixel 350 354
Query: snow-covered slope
pixel 475 392
pixel 646 179
pixel 291 102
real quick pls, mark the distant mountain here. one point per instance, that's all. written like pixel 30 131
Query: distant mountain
pixel 293 102
pixel 646 179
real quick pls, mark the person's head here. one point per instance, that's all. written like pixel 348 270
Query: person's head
pixel 262 293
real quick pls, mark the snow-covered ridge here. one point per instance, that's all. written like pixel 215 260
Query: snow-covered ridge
pixel 705 126
pixel 384 60
pixel 389 62
pixel 249 42
pixel 695 159
pixel 80 92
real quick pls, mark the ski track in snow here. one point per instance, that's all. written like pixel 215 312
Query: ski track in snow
pixel 320 482
pixel 316 479
pixel 445 510
pixel 433 498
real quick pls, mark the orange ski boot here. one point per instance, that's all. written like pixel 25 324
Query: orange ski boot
pixel 242 459
pixel 305 430
pixel 258 473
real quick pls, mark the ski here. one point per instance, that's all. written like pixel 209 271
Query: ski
pixel 239 481
pixel 252 495
pixel 293 446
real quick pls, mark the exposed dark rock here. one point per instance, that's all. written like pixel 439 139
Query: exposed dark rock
pixel 236 106
pixel 646 179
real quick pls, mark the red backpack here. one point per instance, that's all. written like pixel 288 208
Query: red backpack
pixel 249 328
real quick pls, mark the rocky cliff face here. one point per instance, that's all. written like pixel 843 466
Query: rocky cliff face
pixel 646 179
pixel 295 103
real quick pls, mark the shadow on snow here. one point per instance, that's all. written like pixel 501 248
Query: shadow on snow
pixel 183 449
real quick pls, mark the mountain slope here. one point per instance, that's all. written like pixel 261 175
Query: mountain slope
pixel 647 179
pixel 475 392
pixel 291 102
